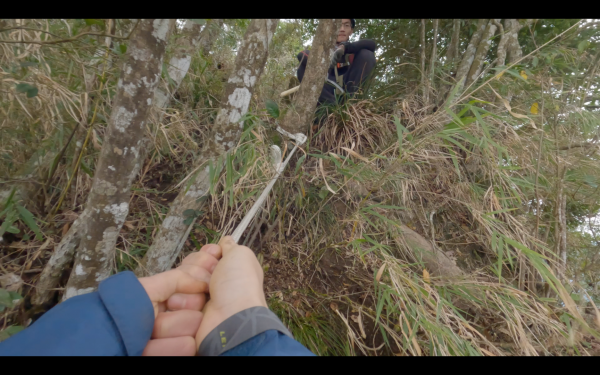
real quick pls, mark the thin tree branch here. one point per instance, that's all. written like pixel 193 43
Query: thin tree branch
pixel 73 39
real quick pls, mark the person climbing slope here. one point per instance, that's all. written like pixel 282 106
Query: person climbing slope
pixel 351 63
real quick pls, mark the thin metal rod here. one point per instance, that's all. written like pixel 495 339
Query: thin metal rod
pixel 237 233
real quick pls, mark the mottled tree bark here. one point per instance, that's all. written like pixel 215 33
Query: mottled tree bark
pixel 481 52
pixel 423 63
pixel 120 158
pixel 452 51
pixel 191 38
pixel 210 35
pixel 501 51
pixel 469 55
pixel 436 262
pixel 512 27
pixel 432 59
pixel 249 65
pixel 298 119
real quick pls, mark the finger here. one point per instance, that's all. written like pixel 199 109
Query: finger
pixel 181 346
pixel 227 244
pixel 197 272
pixel 176 324
pixel 163 285
pixel 203 259
pixel 180 301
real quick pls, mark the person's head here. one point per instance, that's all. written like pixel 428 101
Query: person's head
pixel 345 30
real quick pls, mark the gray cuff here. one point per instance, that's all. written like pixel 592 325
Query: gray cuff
pixel 240 327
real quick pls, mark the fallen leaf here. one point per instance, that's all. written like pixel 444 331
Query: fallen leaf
pixel 129 224
pixel 509 108
pixel 65 229
pixel 333 306
pixel 355 154
pixel 380 273
pixel 523 74
pixel 426 276
pixel 534 108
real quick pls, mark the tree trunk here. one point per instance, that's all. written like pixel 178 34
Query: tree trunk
pixel 305 103
pixel 501 51
pixel 436 262
pixel 512 27
pixel 452 52
pixel 481 52
pixel 423 58
pixel 179 63
pixel 249 65
pixel 120 158
pixel 432 58
pixel 210 35
pixel 469 55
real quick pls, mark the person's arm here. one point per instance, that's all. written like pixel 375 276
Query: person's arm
pixel 269 343
pixel 354 47
pixel 116 320
pixel 252 332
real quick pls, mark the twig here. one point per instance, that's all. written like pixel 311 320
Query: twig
pixel 73 39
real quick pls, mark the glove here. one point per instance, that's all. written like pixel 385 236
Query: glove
pixel 337 56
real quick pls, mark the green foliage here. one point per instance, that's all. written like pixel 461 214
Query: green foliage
pixel 12 212
pixel 31 90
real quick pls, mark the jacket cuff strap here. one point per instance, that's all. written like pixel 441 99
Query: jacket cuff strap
pixel 240 327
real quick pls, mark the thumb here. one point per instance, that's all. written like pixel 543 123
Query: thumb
pixel 227 244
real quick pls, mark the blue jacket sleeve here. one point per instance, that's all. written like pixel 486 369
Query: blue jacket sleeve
pixel 116 320
pixel 269 343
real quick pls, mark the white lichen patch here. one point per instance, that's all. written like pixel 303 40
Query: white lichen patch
pixel 139 54
pixel 79 271
pixel 130 89
pixel 105 188
pixel 119 212
pixel 178 68
pixel 240 98
pixel 161 28
pixel 111 168
pixel 122 118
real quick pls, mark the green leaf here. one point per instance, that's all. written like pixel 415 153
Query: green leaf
pixel 27 88
pixel 86 169
pixel 5 298
pixel 198 21
pixel 12 229
pixel 534 61
pixel 272 108
pixel 29 220
pixel 122 48
pixel 189 213
pixel 15 295
pixel 583 45
pixel 516 74
pixel 90 22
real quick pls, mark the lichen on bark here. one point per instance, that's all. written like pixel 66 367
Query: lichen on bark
pixel 108 201
pixel 224 135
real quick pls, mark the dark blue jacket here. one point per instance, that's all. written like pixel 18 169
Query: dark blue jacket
pixel 116 320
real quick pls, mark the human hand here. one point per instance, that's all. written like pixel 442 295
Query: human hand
pixel 236 284
pixel 177 297
pixel 337 55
